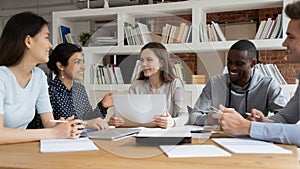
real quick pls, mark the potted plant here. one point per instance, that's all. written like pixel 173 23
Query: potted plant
pixel 84 37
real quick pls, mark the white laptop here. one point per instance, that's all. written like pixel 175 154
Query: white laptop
pixel 112 133
pixel 138 110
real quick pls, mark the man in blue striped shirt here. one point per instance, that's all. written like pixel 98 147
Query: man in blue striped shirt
pixel 233 123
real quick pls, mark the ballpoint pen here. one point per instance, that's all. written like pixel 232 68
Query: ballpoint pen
pixel 249 114
pixel 58 121
pixel 215 109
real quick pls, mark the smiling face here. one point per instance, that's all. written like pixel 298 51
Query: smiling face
pixel 40 46
pixel 239 67
pixel 75 68
pixel 150 63
pixel 292 41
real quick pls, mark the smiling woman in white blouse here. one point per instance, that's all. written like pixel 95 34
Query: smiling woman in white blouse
pixel 157 77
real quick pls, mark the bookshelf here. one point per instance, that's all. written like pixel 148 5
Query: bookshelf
pixel 86 20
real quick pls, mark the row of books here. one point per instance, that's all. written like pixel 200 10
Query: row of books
pixel 269 29
pixel 139 34
pixel 178 70
pixel 176 34
pixel 108 74
pixel 271 70
pixel 211 32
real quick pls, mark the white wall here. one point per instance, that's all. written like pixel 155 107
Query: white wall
pixel 43 8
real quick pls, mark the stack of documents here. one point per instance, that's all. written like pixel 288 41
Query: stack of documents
pixel 250 146
pixel 67 145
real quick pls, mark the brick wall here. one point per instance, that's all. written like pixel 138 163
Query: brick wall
pixel 288 70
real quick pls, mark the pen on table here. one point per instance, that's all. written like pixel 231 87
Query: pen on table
pixel 215 109
pixel 58 121
pixel 256 116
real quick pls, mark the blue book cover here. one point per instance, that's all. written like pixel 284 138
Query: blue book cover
pixel 63 31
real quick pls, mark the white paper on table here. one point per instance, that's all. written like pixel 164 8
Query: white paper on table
pixel 250 146
pixel 67 145
pixel 185 151
pixel 158 132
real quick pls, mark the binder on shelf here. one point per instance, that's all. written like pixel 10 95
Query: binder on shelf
pixel 63 30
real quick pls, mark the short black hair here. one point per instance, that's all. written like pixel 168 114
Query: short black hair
pixel 292 10
pixel 245 45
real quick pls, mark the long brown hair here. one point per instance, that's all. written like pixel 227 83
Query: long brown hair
pixel 12 44
pixel 166 72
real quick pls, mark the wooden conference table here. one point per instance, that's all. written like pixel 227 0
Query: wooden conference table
pixel 125 154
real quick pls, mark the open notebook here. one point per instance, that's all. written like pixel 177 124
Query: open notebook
pixel 112 133
pixel 139 110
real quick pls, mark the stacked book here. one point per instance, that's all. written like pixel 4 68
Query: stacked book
pixel 271 70
pixel 105 41
pixel 109 74
pixel 211 32
pixel 270 29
